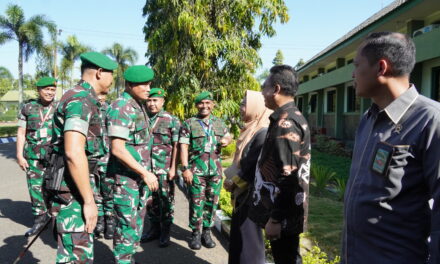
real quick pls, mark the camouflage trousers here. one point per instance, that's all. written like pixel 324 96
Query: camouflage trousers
pixel 103 192
pixel 204 194
pixel 35 178
pixel 130 196
pixel 74 244
pixel 161 208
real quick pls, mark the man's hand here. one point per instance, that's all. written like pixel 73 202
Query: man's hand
pixel 226 140
pixel 22 162
pixel 229 185
pixel 171 174
pixel 151 181
pixel 90 216
pixel 273 230
pixel 187 176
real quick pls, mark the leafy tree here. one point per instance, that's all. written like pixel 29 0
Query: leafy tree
pixel 263 76
pixel 208 45
pixel 124 57
pixel 5 73
pixel 28 33
pixel 299 64
pixel 46 64
pixel 70 52
pixel 6 85
pixel 279 58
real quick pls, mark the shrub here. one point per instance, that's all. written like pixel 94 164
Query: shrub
pixel 341 183
pixel 331 146
pixel 322 176
pixel 316 256
pixel 225 202
pixel 229 150
pixel 8 131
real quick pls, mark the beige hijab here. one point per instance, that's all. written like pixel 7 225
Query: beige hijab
pixel 256 117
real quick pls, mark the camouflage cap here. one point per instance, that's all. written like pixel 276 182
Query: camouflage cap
pixel 157 92
pixel 46 81
pixel 98 59
pixel 205 95
pixel 138 74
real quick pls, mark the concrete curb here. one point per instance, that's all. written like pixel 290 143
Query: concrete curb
pixel 8 140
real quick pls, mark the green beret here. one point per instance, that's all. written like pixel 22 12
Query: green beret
pixel 98 59
pixel 203 96
pixel 46 81
pixel 157 92
pixel 138 74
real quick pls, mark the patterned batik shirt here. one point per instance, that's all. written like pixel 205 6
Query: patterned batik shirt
pixel 282 175
pixel 165 132
pixel 203 137
pixel 36 118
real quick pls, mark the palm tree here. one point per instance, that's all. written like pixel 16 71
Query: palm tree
pixel 28 33
pixel 124 57
pixel 70 52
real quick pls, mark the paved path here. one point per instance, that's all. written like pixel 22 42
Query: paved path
pixel 16 218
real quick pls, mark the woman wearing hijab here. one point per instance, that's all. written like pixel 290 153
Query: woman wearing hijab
pixel 246 240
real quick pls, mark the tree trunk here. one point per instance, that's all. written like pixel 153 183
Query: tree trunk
pixel 20 75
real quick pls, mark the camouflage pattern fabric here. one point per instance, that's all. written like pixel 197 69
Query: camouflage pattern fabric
pixel 104 181
pixel 130 196
pixel 165 131
pixel 76 248
pixel 38 133
pixel 204 195
pixel 203 137
pixel 35 179
pixel 127 119
pixel 36 118
pixel 78 110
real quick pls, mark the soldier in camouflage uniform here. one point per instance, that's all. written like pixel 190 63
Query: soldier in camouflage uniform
pixel 34 135
pixel 201 139
pixel 78 136
pixel 164 129
pixel 104 185
pixel 127 123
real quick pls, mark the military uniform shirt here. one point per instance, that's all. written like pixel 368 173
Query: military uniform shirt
pixel 203 137
pixel 165 131
pixel 79 110
pixel 127 119
pixel 36 118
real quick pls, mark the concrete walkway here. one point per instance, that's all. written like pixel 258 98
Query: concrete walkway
pixel 16 218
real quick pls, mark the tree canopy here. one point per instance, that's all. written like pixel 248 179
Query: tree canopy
pixel 279 58
pixel 28 34
pixel 208 45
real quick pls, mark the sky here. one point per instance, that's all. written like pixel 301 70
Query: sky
pixel 313 25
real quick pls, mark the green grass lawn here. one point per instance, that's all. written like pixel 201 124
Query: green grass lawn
pixel 338 164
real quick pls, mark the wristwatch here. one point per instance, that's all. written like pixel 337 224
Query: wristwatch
pixel 184 168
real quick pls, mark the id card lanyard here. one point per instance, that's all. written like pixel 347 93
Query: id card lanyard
pixel 43 131
pixel 207 129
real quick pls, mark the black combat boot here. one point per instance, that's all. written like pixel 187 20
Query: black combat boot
pixel 152 234
pixel 206 238
pixel 109 227
pixel 39 222
pixel 99 229
pixel 194 243
pixel 164 240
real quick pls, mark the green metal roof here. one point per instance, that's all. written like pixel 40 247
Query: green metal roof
pixel 12 96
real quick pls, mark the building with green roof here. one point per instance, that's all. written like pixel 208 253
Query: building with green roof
pixel 326 94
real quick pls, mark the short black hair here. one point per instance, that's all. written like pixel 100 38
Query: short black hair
pixel 286 77
pixel 398 49
pixel 86 65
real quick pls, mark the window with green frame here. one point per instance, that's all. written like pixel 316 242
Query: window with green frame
pixel 353 102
